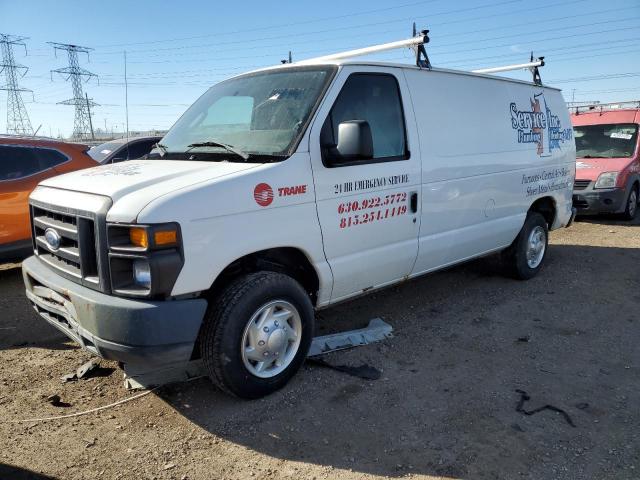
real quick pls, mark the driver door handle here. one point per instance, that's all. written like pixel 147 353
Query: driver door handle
pixel 413 202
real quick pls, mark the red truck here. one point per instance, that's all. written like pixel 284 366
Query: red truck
pixel 607 159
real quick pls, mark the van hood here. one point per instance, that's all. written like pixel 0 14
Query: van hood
pixel 154 177
pixel 591 168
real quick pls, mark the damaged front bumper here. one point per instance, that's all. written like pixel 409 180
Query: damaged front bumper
pixel 129 331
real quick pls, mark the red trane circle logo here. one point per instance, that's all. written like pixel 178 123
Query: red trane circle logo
pixel 263 194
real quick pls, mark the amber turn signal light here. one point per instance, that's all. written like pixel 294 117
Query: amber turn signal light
pixel 139 237
pixel 165 238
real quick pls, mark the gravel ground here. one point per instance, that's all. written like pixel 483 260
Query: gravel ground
pixel 465 340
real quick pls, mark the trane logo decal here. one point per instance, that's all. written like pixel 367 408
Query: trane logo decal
pixel 297 190
pixel 263 193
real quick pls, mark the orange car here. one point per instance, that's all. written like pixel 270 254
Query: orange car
pixel 25 162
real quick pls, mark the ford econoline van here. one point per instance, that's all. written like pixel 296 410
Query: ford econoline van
pixel 289 189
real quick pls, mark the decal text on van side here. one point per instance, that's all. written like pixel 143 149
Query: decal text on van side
pixel 539 125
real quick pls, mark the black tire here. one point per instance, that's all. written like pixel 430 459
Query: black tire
pixel 224 325
pixel 631 210
pixel 515 257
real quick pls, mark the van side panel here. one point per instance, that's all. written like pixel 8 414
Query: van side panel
pixel 489 149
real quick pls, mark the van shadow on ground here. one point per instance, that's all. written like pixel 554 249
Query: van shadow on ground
pixel 15 473
pixel 465 340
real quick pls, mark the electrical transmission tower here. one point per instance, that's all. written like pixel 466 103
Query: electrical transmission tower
pixel 82 125
pixel 17 118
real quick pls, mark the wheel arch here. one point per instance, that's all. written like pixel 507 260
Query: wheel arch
pixel 545 206
pixel 291 261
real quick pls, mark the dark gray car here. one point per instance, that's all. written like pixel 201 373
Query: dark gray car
pixel 119 150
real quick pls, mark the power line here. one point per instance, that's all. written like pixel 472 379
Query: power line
pixel 266 55
pixel 180 73
pixel 17 118
pixel 606 76
pixel 611 90
pixel 271 27
pixel 563 28
pixel 548 39
pixel 544 20
pixel 334 29
pixel 549 53
pixel 204 73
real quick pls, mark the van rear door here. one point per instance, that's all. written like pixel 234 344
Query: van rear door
pixel 367 206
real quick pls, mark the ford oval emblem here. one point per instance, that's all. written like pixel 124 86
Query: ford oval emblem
pixel 52 238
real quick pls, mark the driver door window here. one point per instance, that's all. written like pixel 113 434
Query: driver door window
pixel 374 98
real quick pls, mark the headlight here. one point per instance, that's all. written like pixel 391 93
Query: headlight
pixel 144 260
pixel 142 273
pixel 606 180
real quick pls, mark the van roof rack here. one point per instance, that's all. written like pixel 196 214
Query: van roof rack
pixel 533 65
pixel 603 107
pixel 417 43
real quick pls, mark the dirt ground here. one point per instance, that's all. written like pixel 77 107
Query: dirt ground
pixel 465 340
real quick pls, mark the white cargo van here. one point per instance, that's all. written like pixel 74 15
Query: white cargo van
pixel 289 189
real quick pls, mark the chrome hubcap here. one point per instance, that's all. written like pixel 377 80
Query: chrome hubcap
pixel 271 339
pixel 536 246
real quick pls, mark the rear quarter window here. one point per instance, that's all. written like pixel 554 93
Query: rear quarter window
pixel 18 162
pixel 49 158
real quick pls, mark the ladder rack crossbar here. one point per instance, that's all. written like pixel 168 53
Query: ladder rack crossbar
pixel 509 68
pixel 408 43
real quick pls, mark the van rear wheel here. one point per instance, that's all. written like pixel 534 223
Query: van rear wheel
pixel 257 334
pixel 526 255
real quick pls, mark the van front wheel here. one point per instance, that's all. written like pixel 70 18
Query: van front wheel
pixel 257 334
pixel 526 255
pixel 632 204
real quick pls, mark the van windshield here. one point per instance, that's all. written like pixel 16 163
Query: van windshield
pixel 606 141
pixel 242 119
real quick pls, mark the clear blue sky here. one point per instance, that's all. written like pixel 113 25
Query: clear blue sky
pixel 176 50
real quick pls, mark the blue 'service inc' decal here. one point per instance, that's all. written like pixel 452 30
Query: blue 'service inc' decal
pixel 539 126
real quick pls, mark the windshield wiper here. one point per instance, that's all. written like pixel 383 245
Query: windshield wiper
pixel 163 148
pixel 229 148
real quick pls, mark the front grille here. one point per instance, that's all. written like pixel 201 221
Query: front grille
pixel 77 256
pixel 581 184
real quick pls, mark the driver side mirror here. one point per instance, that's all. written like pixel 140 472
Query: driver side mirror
pixel 355 141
